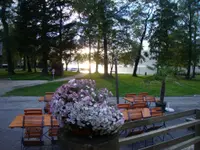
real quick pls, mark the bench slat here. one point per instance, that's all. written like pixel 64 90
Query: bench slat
pixel 185 144
pixel 150 121
pixel 170 142
pixel 148 135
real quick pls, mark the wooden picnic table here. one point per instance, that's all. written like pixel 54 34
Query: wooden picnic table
pixel 46 98
pixel 18 121
pixel 145 113
pixel 129 99
pixel 125 114
pixel 137 98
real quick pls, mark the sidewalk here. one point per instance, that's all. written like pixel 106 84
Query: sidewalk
pixel 80 75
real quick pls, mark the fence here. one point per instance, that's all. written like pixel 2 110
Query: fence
pixel 174 144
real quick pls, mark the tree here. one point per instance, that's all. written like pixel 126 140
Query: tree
pixel 188 27
pixel 5 14
pixel 67 30
pixel 165 18
pixel 97 56
pixel 80 58
pixel 86 16
pixel 26 32
pixel 98 18
pixel 45 47
pixel 164 73
pixel 142 15
pixel 107 12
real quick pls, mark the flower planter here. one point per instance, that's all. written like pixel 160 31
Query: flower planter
pixel 88 122
pixel 72 141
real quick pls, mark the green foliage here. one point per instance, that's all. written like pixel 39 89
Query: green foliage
pixel 160 42
pixel 55 30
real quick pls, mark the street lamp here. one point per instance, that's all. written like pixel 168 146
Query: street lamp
pixel 116 79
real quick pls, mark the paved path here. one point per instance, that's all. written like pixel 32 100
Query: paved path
pixel 8 85
pixel 12 106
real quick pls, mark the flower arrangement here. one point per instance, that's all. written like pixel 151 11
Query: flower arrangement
pixel 79 103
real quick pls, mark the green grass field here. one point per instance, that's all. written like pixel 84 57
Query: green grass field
pixel 127 84
pixel 24 75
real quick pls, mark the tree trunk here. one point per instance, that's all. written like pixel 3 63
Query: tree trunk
pixel 89 56
pixel 105 55
pixel 195 53
pixel 45 65
pixel 190 43
pixel 116 79
pixel 6 40
pixel 111 69
pixel 45 47
pixel 162 91
pixel 60 34
pixel 78 68
pixel 112 64
pixel 24 63
pixel 66 63
pixel 97 59
pixel 35 66
pixel 137 60
pixel 105 42
pixel 193 70
pixel 29 64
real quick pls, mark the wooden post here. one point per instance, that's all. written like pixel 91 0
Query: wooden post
pixel 116 80
pixel 197 130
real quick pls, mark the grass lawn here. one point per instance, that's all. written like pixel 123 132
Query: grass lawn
pixel 24 75
pixel 127 84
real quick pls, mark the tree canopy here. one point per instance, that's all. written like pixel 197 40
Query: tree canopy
pixel 40 33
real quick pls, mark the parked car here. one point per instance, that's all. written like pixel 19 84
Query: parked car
pixel 4 65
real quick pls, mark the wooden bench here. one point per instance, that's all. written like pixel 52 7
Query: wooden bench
pixel 41 99
pixel 33 126
pixel 33 111
pixel 174 144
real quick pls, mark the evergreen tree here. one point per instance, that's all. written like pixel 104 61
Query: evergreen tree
pixel 5 15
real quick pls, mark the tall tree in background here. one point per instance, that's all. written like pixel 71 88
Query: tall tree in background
pixel 98 49
pixel 45 47
pixel 5 14
pixel 26 31
pixel 141 20
pixel 88 22
pixel 196 50
pixel 188 24
pixel 66 29
pixel 192 6
pixel 107 14
pixel 165 18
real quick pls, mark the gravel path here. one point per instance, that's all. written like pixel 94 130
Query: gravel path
pixel 8 85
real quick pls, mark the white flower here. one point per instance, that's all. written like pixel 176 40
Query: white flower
pixel 71 81
pixel 85 107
